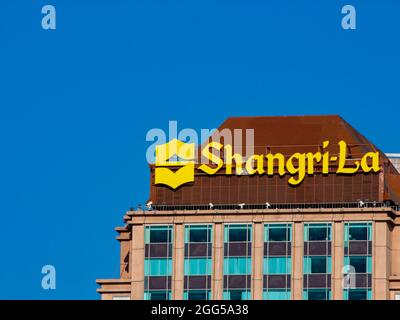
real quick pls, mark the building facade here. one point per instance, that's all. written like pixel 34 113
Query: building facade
pixel 228 237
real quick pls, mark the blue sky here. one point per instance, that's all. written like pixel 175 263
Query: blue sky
pixel 76 104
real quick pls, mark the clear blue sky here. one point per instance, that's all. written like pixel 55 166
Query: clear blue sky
pixel 77 102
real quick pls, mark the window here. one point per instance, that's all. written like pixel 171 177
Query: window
pixel 197 295
pixel 358 261
pixel 358 231
pixel 276 294
pixel 317 232
pixel 198 234
pixel 158 234
pixel 237 295
pixel 317 264
pixel 317 261
pixel 317 294
pixel 357 294
pixel 237 265
pixel 279 232
pixel 158 262
pixel 277 261
pixel 157 295
pixel 198 266
pixel 158 266
pixel 361 264
pixel 198 262
pixel 237 234
pixel 277 265
pixel 237 261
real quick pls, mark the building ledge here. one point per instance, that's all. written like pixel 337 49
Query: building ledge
pixel 109 281
pixel 263 211
pixel 374 214
pixel 114 285
pixel 394 283
pixel 100 290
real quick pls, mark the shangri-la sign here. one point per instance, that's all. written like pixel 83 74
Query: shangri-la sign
pixel 298 165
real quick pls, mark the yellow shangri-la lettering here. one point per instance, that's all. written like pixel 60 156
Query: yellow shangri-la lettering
pixel 298 165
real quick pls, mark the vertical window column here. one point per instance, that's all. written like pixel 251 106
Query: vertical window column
pixel 317 261
pixel 357 261
pixel 158 262
pixel 198 262
pixel 277 261
pixel 237 261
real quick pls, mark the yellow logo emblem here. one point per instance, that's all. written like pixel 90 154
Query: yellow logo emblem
pixel 184 165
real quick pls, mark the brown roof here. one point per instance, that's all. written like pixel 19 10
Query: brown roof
pixel 300 133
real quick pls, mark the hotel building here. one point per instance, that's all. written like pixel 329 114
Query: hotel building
pixel 229 237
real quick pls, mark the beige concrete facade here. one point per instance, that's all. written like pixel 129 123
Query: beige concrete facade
pixel 218 249
pixel 297 268
pixel 385 248
pixel 337 258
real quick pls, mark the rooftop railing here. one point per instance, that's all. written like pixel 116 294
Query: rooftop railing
pixel 271 206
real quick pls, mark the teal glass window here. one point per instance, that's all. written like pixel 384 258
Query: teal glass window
pixel 277 265
pixel 157 295
pixel 158 267
pixel 198 266
pixel 237 233
pixel 276 294
pixel 317 232
pixel 317 294
pixel 198 261
pixel 158 234
pixel 277 261
pixel 237 261
pixel 197 295
pixel 198 233
pixel 357 294
pixel 358 260
pixel 361 264
pixel 277 232
pixel 317 264
pixel 317 261
pixel 237 295
pixel 237 265
pixel 358 232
